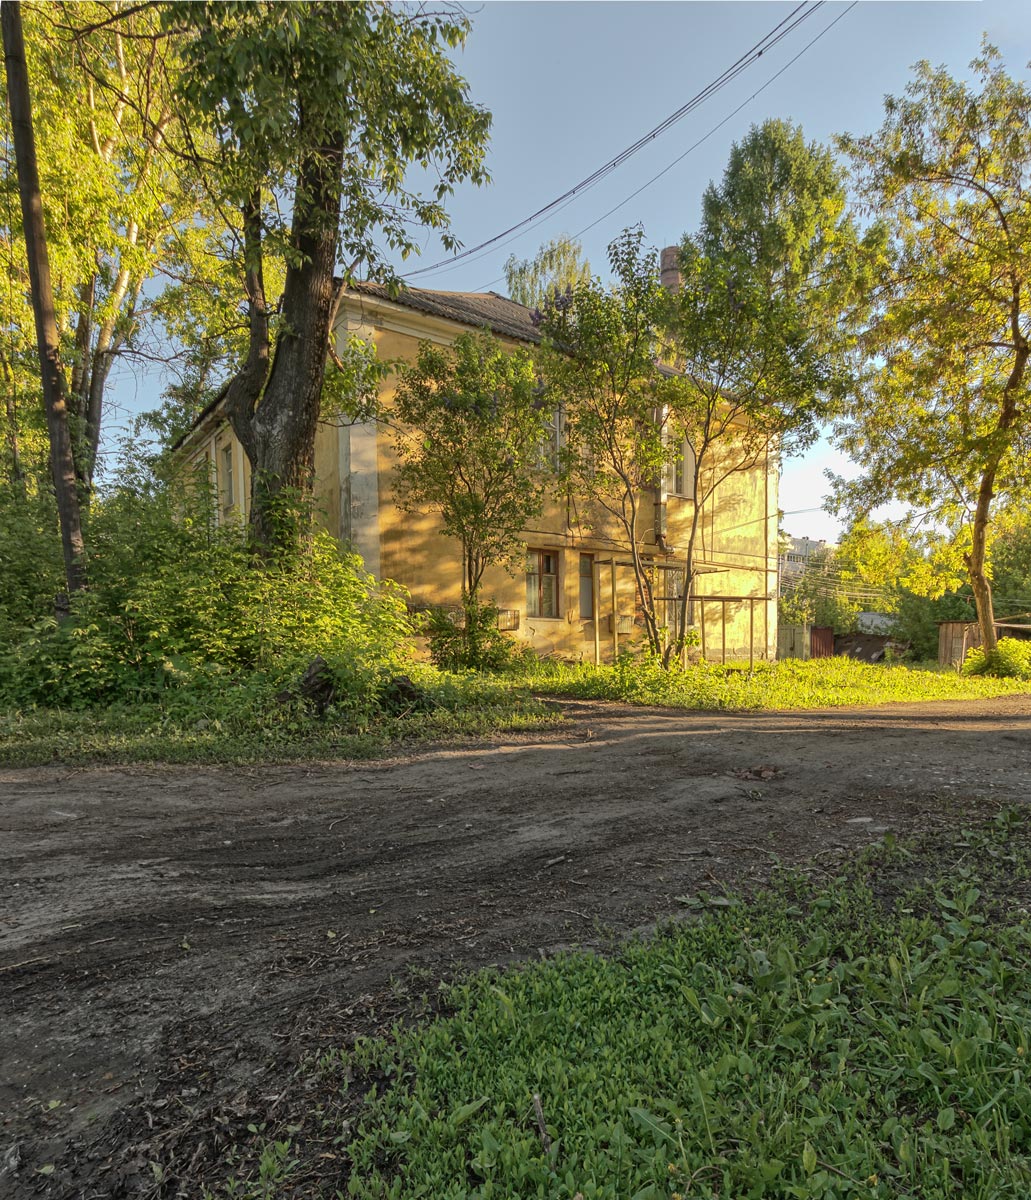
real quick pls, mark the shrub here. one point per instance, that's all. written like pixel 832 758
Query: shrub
pixel 176 602
pixel 471 640
pixel 1011 659
pixel 31 568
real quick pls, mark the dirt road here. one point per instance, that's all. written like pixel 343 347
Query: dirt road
pixel 173 940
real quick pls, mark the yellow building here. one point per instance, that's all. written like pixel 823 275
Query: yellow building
pixel 576 598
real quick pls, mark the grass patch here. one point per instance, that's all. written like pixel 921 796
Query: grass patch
pixel 242 725
pixel 791 684
pixel 870 1040
pixel 237 721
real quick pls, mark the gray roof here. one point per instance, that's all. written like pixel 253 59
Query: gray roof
pixel 477 309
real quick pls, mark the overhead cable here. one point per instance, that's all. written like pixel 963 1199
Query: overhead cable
pixel 694 146
pixel 802 12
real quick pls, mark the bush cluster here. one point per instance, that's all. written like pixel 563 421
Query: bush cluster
pixel 1011 659
pixel 179 606
pixel 471 640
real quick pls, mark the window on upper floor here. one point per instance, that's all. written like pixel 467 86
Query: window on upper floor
pixel 680 471
pixel 550 446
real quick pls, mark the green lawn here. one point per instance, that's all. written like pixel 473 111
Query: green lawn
pixel 237 727
pixel 818 683
pixel 868 1040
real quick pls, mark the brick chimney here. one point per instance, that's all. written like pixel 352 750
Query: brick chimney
pixel 669 269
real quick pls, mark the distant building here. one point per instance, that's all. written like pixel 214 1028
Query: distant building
pixel 796 553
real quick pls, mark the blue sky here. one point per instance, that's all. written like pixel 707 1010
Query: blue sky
pixel 572 84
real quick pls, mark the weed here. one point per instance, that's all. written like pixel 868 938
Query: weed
pixel 797 1046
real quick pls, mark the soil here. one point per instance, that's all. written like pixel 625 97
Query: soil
pixel 174 942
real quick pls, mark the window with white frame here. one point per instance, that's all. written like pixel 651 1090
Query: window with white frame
pixel 550 446
pixel 680 471
pixel 228 482
pixel 541 583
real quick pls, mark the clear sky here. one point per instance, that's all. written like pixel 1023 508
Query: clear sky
pixel 571 84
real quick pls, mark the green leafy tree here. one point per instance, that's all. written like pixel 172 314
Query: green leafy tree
pixel 600 357
pixel 121 206
pixel 941 422
pixel 780 211
pixel 557 266
pixel 1011 560
pixel 754 329
pixel 52 383
pixel 819 595
pixel 469 424
pixel 318 109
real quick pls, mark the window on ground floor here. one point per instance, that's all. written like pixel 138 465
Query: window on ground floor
pixel 228 483
pixel 541 583
pixel 586 587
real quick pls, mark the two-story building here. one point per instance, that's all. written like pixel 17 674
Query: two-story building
pixel 576 596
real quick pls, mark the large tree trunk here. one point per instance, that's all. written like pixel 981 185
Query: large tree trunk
pixel 1008 417
pixel 52 376
pixel 274 409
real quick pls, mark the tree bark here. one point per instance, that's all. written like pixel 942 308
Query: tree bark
pixel 245 387
pixel 284 423
pixel 975 559
pixel 274 407
pixel 62 461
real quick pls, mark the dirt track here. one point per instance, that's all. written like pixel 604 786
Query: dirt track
pixel 172 940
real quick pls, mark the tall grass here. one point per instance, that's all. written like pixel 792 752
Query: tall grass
pixel 790 684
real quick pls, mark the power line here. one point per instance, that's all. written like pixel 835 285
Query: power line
pixel 802 12
pixel 694 146
pixel 716 128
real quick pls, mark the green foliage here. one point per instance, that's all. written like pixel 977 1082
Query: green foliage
pixel 755 326
pixel 470 640
pixel 1010 659
pixel 599 356
pixel 941 423
pixel 799 1046
pixel 916 619
pixel 178 604
pixel 350 391
pixel 122 211
pixel 791 684
pixel 329 106
pixel 819 595
pixel 1011 560
pixel 31 567
pixel 779 214
pixel 235 721
pixel 348 70
pixel 558 266
pixel 471 420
